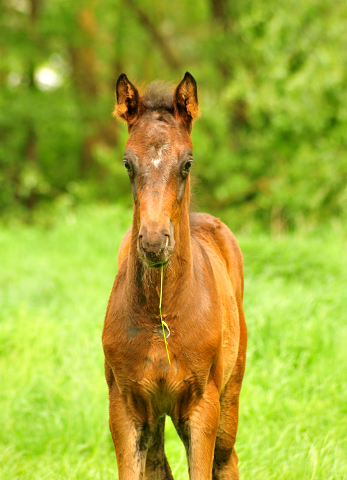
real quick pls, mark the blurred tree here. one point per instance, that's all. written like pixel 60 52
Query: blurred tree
pixel 271 142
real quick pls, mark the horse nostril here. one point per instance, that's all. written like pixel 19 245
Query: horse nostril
pixel 165 245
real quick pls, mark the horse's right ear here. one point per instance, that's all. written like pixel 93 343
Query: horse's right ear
pixel 129 104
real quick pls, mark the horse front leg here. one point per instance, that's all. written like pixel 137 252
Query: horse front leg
pixel 199 434
pixel 157 466
pixel 129 440
pixel 129 437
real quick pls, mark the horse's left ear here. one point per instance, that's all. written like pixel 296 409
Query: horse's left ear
pixel 129 105
pixel 186 100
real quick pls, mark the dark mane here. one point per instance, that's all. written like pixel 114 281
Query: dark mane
pixel 159 96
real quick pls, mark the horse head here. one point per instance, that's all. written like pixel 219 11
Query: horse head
pixel 158 158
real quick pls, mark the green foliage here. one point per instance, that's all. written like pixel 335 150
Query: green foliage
pixel 270 147
pixel 277 133
pixel 54 285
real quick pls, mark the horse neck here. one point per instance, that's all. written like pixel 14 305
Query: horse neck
pixel 145 281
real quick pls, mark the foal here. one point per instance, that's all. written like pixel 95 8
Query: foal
pixel 201 303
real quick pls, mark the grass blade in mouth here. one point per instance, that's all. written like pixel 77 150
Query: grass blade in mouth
pixel 163 324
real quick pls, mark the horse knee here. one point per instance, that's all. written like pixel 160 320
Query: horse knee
pixel 158 470
pixel 225 465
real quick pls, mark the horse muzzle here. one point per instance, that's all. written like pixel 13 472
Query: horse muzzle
pixel 155 248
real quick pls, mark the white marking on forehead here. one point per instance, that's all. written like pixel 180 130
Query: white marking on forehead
pixel 156 160
pixel 160 153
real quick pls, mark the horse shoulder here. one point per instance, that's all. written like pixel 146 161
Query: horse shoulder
pixel 218 241
pixel 215 236
pixel 114 306
pixel 124 247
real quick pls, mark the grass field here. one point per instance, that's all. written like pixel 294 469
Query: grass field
pixel 54 286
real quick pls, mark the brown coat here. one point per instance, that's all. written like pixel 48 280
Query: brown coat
pixel 202 306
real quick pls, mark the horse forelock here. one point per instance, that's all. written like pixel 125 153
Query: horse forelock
pixel 159 96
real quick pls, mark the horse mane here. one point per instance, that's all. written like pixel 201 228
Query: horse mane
pixel 159 96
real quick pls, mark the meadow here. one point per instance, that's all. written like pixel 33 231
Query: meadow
pixel 54 287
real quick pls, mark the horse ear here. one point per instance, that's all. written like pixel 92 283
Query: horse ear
pixel 186 100
pixel 129 104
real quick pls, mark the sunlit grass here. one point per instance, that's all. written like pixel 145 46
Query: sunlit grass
pixel 53 398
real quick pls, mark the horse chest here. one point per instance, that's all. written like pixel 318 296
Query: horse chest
pixel 143 374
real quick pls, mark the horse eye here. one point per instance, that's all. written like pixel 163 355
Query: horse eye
pixel 187 166
pixel 127 166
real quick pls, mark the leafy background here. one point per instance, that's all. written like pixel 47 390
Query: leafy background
pixel 270 146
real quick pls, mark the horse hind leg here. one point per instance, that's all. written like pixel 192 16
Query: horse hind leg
pixel 157 466
pixel 225 458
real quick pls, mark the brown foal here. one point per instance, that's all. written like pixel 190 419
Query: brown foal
pixel 202 303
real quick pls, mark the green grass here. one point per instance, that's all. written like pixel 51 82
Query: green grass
pixel 54 286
